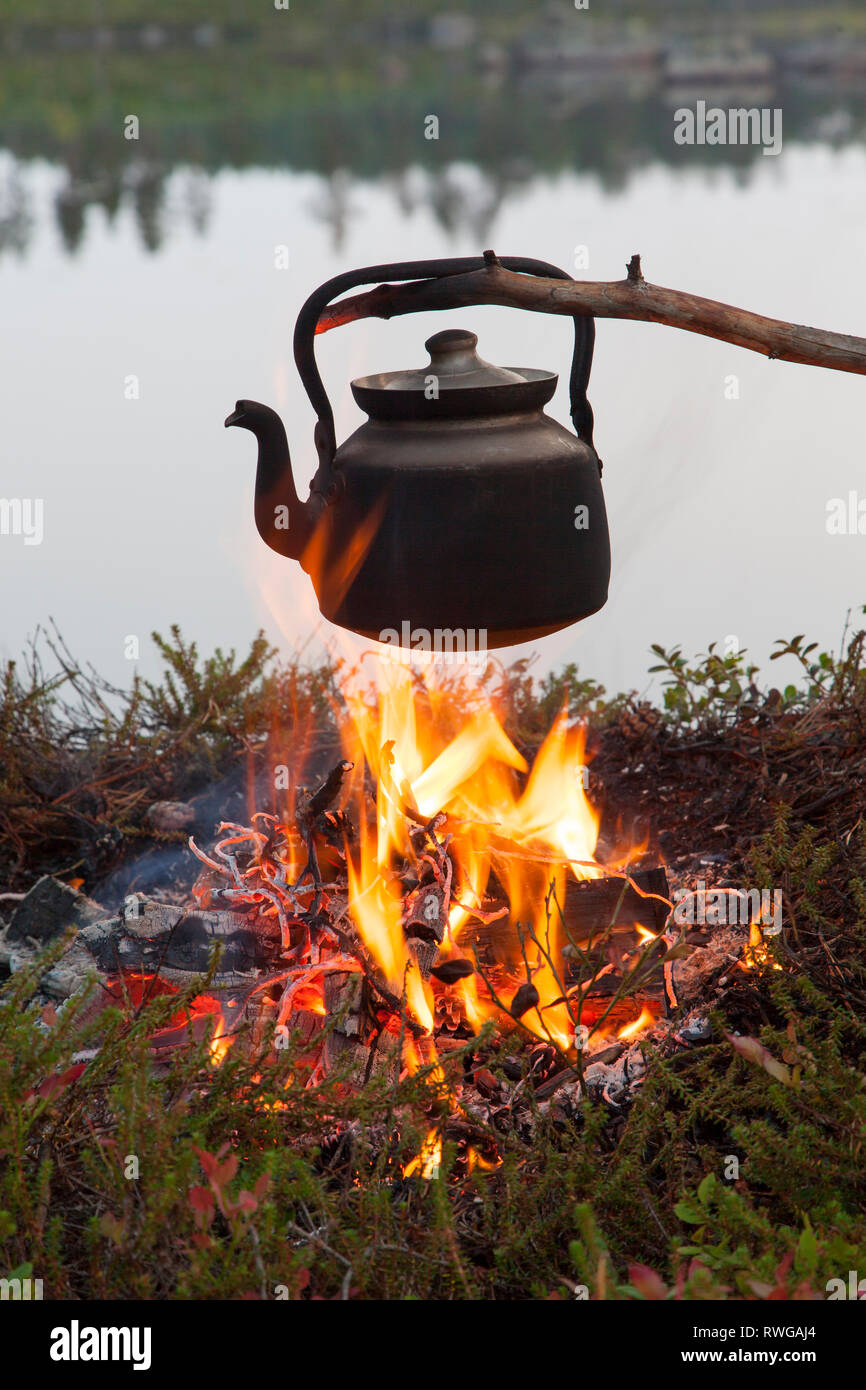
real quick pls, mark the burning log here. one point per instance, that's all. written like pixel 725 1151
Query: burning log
pixel 342 999
pixel 161 939
pixel 154 937
pixel 320 800
pixel 642 900
pixel 372 1050
pixel 592 909
pixel 425 917
pixel 381 1056
pixel 49 908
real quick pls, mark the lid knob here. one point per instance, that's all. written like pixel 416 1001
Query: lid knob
pixel 455 364
pixel 452 353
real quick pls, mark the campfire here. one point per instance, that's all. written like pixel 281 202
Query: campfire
pixel 435 882
pixel 436 892
pixel 437 946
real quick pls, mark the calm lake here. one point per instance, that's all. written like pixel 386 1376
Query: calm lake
pixel 131 326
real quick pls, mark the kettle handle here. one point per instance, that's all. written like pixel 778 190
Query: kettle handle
pixel 326 480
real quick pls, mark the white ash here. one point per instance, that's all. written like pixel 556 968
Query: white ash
pixel 691 977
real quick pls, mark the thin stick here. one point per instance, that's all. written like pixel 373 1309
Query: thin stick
pixel 632 298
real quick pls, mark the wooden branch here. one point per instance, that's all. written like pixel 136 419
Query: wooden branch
pixel 632 298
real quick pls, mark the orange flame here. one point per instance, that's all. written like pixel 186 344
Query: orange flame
pixel 219 1043
pixel 475 1159
pixel 428 1161
pixel 333 574
pixel 631 1030
pixel 430 752
pixel 432 744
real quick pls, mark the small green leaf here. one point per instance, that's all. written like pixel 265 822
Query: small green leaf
pixel 707 1188
pixel 689 1212
pixel 807 1251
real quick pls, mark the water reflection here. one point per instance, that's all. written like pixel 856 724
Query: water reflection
pixel 155 258
pixel 141 186
pixel 16 217
pixel 537 108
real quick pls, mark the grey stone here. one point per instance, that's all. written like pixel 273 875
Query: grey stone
pixel 697 1031
pixel 169 816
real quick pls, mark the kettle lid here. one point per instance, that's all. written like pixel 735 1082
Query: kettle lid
pixel 466 385
pixel 455 364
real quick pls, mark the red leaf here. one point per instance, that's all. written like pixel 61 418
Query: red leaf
pixel 56 1084
pixel 224 1172
pixel 647 1282
pixel 201 1199
pixel 760 1288
pixel 207 1161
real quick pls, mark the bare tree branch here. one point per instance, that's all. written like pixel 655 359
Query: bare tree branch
pixel 632 298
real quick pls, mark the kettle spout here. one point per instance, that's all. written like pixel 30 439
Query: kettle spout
pixel 283 521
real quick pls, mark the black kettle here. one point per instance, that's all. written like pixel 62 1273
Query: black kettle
pixel 458 514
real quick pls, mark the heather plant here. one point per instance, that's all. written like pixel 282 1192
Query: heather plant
pixel 716 688
pixel 121 1177
pixel 734 1173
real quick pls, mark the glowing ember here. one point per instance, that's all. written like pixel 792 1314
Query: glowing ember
pixel 201 1020
pixel 756 955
